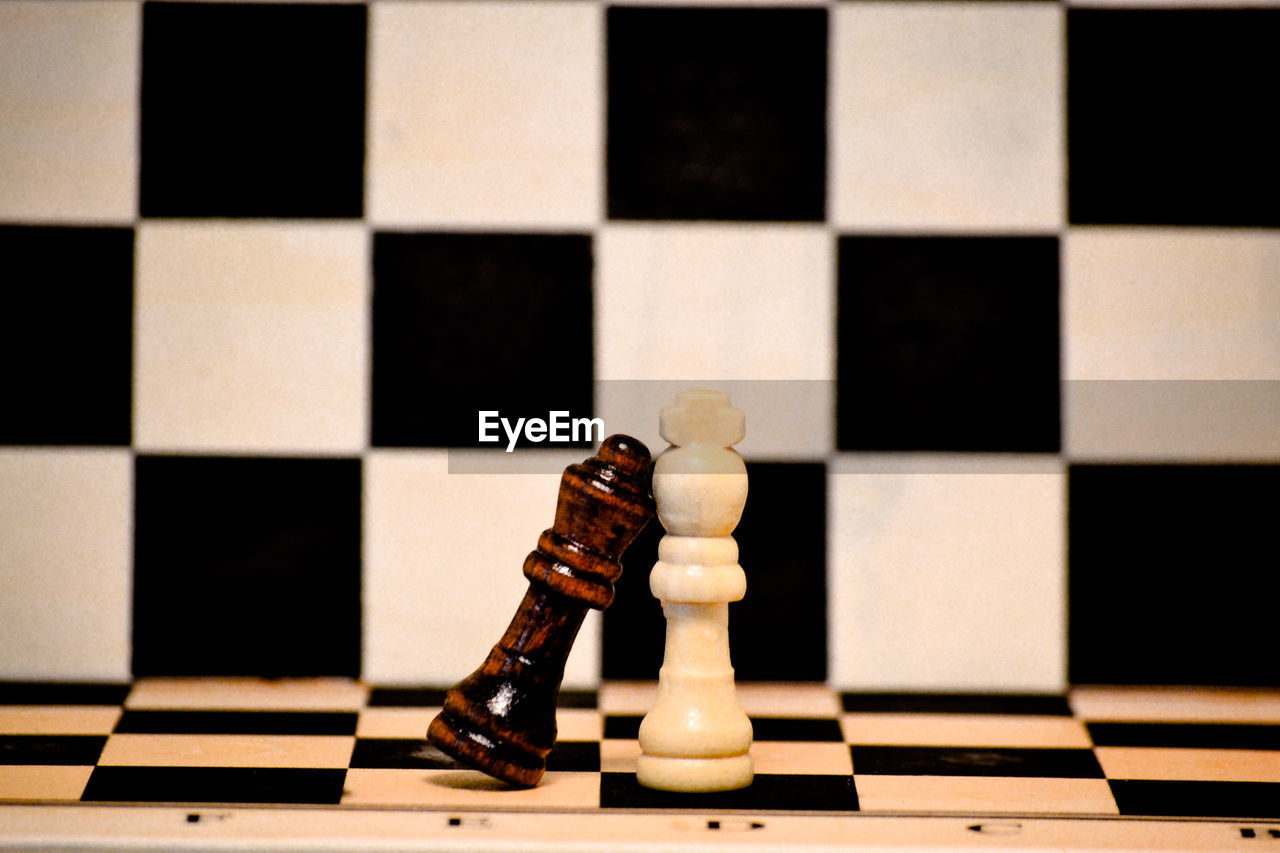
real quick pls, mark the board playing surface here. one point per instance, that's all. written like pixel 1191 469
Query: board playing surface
pixel 182 761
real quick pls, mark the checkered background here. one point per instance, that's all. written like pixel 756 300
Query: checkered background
pixel 1020 261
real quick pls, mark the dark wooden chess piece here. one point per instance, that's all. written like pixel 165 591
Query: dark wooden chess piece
pixel 501 719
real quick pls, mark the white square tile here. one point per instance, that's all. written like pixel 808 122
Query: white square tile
pixel 713 302
pixel 947 115
pixel 65 564
pixel 69 97
pixel 1171 303
pixel 945 578
pixel 251 337
pixel 485 114
pixel 443 558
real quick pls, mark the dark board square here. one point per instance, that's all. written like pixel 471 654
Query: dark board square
pixel 66 335
pixel 778 631
pixel 587 699
pixel 803 729
pixel 252 110
pixel 975 761
pixel 51 749
pixel 145 721
pixel 1253 736
pixel 62 693
pixel 284 785
pixel 1164 798
pixel 1171 570
pixel 1167 116
pixel 246 566
pixel 767 792
pixel 1020 704
pixel 716 113
pixel 622 726
pixel 465 323
pixel 948 344
pixel 401 753
pixel 627 727
pixel 406 697
pixel 578 756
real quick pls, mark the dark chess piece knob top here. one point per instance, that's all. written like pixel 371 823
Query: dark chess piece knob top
pixel 501 718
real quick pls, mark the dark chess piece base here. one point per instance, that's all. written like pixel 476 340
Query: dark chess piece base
pixel 501 719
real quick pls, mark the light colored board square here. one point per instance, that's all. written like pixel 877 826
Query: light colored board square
pixel 947 581
pixel 485 114
pixel 468 789
pixel 218 750
pixel 42 783
pixel 442 567
pixel 69 97
pixel 947 115
pixel 65 564
pixel 248 694
pixel 579 724
pixel 801 757
pixel 251 337
pixel 395 722
pixel 1171 303
pixel 1164 420
pixel 628 697
pixel 706 302
pixel 1175 704
pixel 619 756
pixel 58 719
pixel 977 730
pixel 1192 765
pixel 984 794
pixel 787 699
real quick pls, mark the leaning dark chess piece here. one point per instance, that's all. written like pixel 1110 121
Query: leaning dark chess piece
pixel 501 719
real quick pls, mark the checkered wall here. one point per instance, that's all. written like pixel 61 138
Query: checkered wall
pixel 266 261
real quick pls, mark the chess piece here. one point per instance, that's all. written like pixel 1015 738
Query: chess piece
pixel 501 718
pixel 696 737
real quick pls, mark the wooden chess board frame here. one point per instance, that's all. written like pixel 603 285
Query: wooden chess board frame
pixel 1099 769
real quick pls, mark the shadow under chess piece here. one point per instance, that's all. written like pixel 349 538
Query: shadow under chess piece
pixel 501 719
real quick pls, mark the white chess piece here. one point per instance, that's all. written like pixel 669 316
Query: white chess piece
pixel 696 737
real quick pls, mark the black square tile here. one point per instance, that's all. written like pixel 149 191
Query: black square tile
pixel 1251 736
pixel 465 323
pixel 778 631
pixel 796 729
pixel 1166 119
pixel 247 566
pixel 717 113
pixel 975 761
pixel 577 756
pixel 1171 574
pixel 66 335
pixel 1020 704
pixel 62 693
pixel 147 721
pixel 406 697
pixel 767 792
pixel 948 344
pixel 252 110
pixel 399 753
pixel 51 749
pixel 284 785
pixel 1162 798
pixel 622 726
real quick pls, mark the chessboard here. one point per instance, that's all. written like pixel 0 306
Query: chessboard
pixel 332 763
